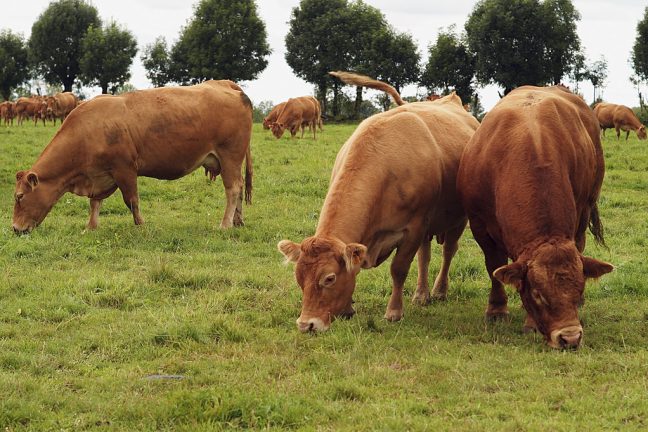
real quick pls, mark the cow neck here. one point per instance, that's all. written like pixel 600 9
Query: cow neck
pixel 347 210
pixel 59 164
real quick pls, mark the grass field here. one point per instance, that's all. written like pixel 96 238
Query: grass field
pixel 177 325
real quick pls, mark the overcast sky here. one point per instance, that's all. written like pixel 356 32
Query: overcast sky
pixel 607 27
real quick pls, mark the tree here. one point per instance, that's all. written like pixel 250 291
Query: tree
pixel 397 59
pixel 13 62
pixel 55 42
pixel 450 66
pixel 224 40
pixel 579 70
pixel 564 46
pixel 107 57
pixel 319 40
pixel 519 42
pixel 597 74
pixel 639 55
pixel 157 62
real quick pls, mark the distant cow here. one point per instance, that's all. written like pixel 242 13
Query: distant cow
pixel 619 117
pixel 392 188
pixel 529 180
pixel 7 112
pixel 63 104
pixel 29 107
pixel 164 133
pixel 297 113
pixel 272 115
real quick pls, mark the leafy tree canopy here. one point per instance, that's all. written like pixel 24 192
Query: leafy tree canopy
pixel 157 62
pixel 450 66
pixel 107 57
pixel 639 56
pixel 55 42
pixel 13 62
pixel 519 42
pixel 224 40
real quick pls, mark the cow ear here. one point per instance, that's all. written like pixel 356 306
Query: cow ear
pixel 354 255
pixel 593 268
pixel 290 250
pixel 511 274
pixel 20 175
pixel 32 179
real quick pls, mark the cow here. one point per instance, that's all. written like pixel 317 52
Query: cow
pixel 164 133
pixel 297 113
pixel 392 188
pixel 619 117
pixel 7 112
pixel 62 105
pixel 272 115
pixel 529 180
pixel 28 107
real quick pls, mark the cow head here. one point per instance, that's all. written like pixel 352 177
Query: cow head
pixel 326 272
pixel 266 123
pixel 33 201
pixel 551 284
pixel 278 129
pixel 641 132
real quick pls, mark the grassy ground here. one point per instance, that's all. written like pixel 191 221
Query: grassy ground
pixel 177 325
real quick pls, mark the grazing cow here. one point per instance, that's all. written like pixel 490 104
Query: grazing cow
pixel 164 133
pixel 272 115
pixel 619 117
pixel 529 181
pixel 28 107
pixel 392 188
pixel 7 112
pixel 297 113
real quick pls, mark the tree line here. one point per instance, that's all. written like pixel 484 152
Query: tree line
pixel 508 43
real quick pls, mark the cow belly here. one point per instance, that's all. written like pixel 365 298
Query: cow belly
pixel 172 170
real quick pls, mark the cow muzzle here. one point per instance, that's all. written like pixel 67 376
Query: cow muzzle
pixel 567 337
pixel 21 230
pixel 311 325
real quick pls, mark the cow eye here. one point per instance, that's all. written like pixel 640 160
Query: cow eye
pixel 328 280
pixel 19 196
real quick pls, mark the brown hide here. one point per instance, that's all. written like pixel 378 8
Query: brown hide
pixel 272 115
pixel 63 105
pixel 392 188
pixel 619 117
pixel 297 113
pixel 529 180
pixel 163 133
pixel 30 107
pixel 7 112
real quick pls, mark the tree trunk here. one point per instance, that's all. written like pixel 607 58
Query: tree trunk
pixel 67 85
pixel 104 88
pixel 336 94
pixel 6 94
pixel 358 103
pixel 321 96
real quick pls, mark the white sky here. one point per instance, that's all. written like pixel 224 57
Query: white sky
pixel 607 27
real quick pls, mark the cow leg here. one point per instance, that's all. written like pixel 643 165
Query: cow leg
pixel 422 293
pixel 529 325
pixel 95 206
pixel 495 258
pixel 233 182
pixel 126 181
pixel 399 268
pixel 450 246
pixel 314 129
pixel 627 135
pixel 618 131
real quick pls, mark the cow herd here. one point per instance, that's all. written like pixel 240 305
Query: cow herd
pixel 35 108
pixel 423 170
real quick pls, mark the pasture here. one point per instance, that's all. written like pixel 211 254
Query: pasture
pixel 177 325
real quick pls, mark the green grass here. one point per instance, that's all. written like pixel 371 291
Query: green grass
pixel 95 326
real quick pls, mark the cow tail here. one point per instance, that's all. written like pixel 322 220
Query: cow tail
pixel 595 225
pixel 248 174
pixel 365 81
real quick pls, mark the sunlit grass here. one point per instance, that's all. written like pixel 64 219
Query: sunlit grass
pixel 177 325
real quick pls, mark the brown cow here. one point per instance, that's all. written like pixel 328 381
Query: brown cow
pixel 272 115
pixel 529 180
pixel 392 187
pixel 619 117
pixel 63 105
pixel 163 133
pixel 7 112
pixel 28 107
pixel 297 113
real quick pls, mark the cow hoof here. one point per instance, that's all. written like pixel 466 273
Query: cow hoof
pixel 393 315
pixel 439 296
pixel 421 299
pixel 528 329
